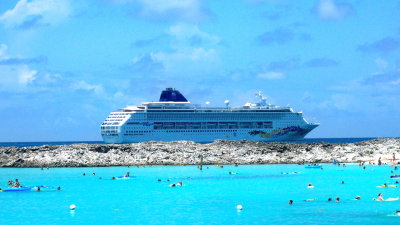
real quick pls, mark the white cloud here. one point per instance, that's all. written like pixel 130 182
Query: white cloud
pixel 187 33
pixel 3 51
pixel 14 76
pixel 26 76
pixel 271 75
pixel 83 85
pixel 180 58
pixel 341 101
pixel 36 12
pixel 329 10
pixel 381 63
pixel 167 10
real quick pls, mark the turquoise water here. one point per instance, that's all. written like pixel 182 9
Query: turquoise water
pixel 207 197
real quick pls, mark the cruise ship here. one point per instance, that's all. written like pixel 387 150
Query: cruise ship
pixel 174 118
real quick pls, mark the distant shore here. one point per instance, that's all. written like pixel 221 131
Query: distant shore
pixel 191 153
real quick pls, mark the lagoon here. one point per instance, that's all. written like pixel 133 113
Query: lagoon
pixel 209 196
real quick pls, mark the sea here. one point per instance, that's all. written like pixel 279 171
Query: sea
pixel 217 194
pixel 305 140
pixel 208 196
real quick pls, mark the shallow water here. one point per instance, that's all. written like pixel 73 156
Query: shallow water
pixel 208 197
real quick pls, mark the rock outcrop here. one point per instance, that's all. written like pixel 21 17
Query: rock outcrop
pixel 189 153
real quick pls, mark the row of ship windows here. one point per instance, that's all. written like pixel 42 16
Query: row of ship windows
pixel 109 127
pixel 113 120
pixel 211 125
pixel 118 114
pixel 139 131
pixel 197 131
pixel 221 117
pixel 176 131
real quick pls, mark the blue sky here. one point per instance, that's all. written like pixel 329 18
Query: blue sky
pixel 65 64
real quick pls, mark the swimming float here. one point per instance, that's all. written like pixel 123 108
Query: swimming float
pixel 386 186
pixel 395 176
pixel 29 188
pixel 16 189
pixel 124 177
pixel 313 167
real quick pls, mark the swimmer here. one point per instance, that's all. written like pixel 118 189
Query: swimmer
pixel 10 182
pixel 100 178
pixel 38 189
pixel 172 185
pixel 380 197
pixel 342 182
pixel 337 200
pixel 179 183
pixel 59 188
pixel 310 199
pixel 112 178
pixel 94 174
pixel 290 202
pixel 159 180
pixel 310 186
pixel 83 174
pixel 230 173
pixel 127 174
pixel 329 199
pixel 17 184
pixel 357 197
pixel 1 190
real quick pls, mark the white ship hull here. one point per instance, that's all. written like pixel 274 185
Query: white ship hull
pixel 203 136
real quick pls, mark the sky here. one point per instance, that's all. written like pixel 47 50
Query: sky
pixel 66 64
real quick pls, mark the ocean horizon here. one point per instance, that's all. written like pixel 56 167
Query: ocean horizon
pixel 306 140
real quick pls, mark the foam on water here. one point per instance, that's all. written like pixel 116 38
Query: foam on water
pixel 207 197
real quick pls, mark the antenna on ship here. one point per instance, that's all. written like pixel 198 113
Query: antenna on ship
pixel 226 103
pixel 262 98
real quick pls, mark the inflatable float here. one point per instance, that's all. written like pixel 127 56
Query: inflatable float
pixel 313 167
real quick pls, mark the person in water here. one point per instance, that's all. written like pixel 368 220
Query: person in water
pixel 357 197
pixel 10 183
pixel 380 197
pixel 310 186
pixel 17 184
pixel 290 202
pixel 127 174
pixel 329 199
pixel 337 200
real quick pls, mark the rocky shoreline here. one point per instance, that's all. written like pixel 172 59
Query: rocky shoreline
pixel 190 153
